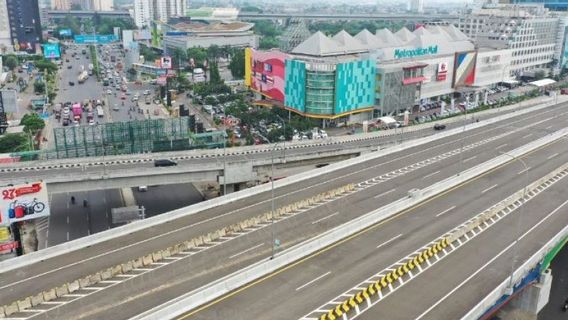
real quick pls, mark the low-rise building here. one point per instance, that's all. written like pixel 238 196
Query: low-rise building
pixel 184 35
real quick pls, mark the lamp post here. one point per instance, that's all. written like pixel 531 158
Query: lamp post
pixel 284 126
pixel 518 231
pixel 463 134
pixel 224 162
pixel 272 194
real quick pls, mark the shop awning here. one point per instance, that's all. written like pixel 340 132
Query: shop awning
pixel 414 66
pixel 542 83
pixel 413 80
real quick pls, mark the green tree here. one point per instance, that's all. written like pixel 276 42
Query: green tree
pixel 32 123
pixel 132 71
pixel 148 54
pixel 46 66
pixel 237 64
pixel 266 28
pixel 214 76
pixel 213 52
pixel 39 87
pixel 178 58
pixel 268 43
pixel 198 55
pixel 11 62
pixel 13 142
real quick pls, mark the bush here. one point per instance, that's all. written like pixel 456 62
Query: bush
pixel 14 142
pixel 32 123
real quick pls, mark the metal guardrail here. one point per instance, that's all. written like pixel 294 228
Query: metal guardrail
pixel 91 240
pixel 501 289
pixel 253 272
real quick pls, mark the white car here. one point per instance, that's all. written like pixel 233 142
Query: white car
pixel 109 91
pixel 91 122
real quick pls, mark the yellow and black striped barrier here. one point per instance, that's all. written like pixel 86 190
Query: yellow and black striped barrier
pixel 376 287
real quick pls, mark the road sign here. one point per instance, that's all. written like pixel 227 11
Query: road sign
pixel 8 246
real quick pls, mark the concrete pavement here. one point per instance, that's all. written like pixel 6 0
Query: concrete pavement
pixel 297 291
pixel 358 204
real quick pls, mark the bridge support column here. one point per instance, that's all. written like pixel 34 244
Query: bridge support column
pixel 233 187
pixel 530 301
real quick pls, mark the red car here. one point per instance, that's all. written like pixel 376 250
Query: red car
pixel 123 97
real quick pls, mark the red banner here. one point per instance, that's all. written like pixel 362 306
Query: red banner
pixel 8 245
pixel 10 194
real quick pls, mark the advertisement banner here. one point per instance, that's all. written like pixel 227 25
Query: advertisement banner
pixel 442 71
pixel 95 39
pixel 65 32
pixel 464 69
pixel 166 62
pixel 51 51
pixel 266 73
pixel 8 246
pixel 23 202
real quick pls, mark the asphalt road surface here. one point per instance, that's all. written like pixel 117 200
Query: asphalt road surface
pixel 72 221
pixel 191 272
pixel 120 168
pixel 296 291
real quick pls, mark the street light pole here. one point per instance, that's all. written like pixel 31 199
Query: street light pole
pixel 518 227
pixel 273 209
pixel 463 134
pixel 284 126
pixel 225 162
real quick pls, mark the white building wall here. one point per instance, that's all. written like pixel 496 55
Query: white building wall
pixel 103 5
pixel 205 42
pixel 492 67
pixel 432 87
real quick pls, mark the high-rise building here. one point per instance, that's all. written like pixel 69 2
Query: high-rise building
pixel 5 39
pixel 142 13
pixel 102 5
pixel 530 31
pixel 417 6
pixel 148 10
pixel 60 4
pixel 551 4
pixel 25 25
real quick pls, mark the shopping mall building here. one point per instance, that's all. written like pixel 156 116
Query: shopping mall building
pixel 348 78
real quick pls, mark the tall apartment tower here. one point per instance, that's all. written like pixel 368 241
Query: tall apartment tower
pixel 148 10
pixel 60 4
pixel 417 6
pixel 143 13
pixel 102 5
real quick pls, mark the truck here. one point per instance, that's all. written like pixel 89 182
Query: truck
pixel 57 111
pixel 100 111
pixel 82 77
pixel 77 111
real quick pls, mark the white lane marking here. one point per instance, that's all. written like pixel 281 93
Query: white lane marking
pixel 327 217
pixel 245 251
pixel 528 135
pixel 465 281
pixel 384 193
pixel 389 241
pixel 251 206
pixel 67 235
pixel 501 146
pixel 524 170
pixel 548 127
pixel 67 219
pixel 545 218
pixel 491 261
pixel 470 158
pixel 316 279
pixel 446 211
pixel 431 174
pixel 552 156
pixel 493 186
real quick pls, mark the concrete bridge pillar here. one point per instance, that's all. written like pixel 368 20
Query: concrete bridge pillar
pixel 527 304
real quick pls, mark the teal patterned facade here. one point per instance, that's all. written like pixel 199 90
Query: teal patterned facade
pixel 329 90
pixel 355 86
pixel 295 88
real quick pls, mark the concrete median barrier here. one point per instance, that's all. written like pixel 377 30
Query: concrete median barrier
pixel 36 299
pixel 73 286
pixel 11 309
pixel 61 291
pixel 250 273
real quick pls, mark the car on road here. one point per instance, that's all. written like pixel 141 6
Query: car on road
pixel 146 92
pixel 69 66
pixel 123 97
pixel 91 122
pixel 134 99
pixel 109 91
pixel 439 126
pixel 66 60
pixel 115 107
pixel 71 83
pixel 164 163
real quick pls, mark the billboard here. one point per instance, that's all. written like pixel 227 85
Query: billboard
pixel 65 33
pixel 95 39
pixel 464 68
pixel 166 62
pixel 267 73
pixel 23 202
pixel 442 71
pixel 51 51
